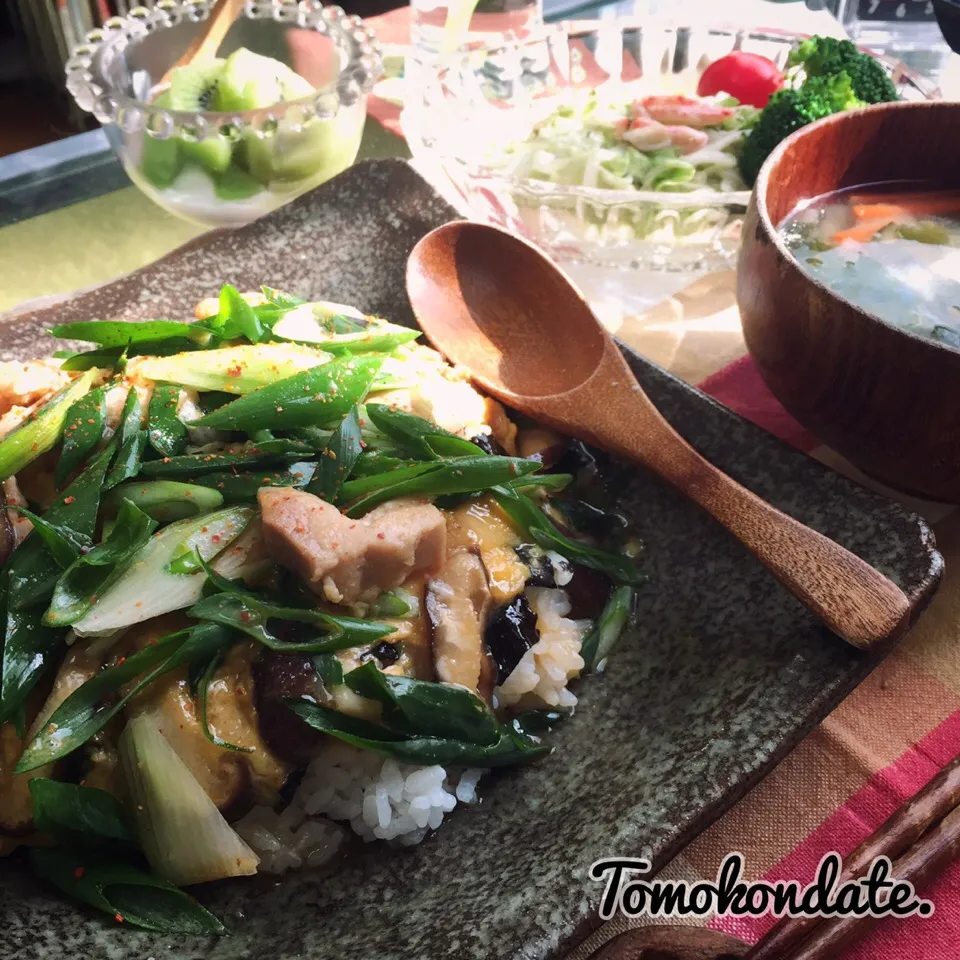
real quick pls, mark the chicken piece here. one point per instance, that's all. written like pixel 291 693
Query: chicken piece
pixel 480 526
pixel 16 809
pixel 685 111
pixel 17 818
pixel 232 779
pixel 351 561
pixel 541 443
pixel 25 384
pixel 457 602
pixel 117 397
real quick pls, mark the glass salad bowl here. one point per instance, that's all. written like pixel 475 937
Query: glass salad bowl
pixel 225 167
pixel 465 126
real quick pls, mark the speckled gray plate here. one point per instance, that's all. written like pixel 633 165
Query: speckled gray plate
pixel 721 677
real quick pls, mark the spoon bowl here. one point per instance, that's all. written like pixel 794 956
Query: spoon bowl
pixel 509 344
pixel 496 306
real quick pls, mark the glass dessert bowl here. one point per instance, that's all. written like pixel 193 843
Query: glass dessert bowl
pixel 226 140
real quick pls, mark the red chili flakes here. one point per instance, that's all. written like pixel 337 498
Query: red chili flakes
pixel 79 872
pixel 266 481
pixel 118 918
pixel 363 444
pixel 220 485
pixel 166 459
pixel 69 500
pixel 91 420
pixel 203 529
pixel 244 616
pixel 381 536
pixel 352 525
pixel 121 661
pixel 216 538
pixel 235 371
pixel 331 454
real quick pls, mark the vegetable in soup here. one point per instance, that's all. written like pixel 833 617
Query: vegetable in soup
pixel 892 252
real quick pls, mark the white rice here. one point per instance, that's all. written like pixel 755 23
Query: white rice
pixel 541 677
pixel 378 797
pixel 382 799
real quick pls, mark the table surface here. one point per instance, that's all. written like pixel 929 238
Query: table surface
pixel 68 222
pixel 69 219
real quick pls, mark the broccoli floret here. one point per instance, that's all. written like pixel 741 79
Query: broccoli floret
pixel 826 57
pixel 788 111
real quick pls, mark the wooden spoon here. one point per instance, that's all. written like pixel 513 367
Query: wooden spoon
pixel 495 305
pixel 667 942
pixel 207 41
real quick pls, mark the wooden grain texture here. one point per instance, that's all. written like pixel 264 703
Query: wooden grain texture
pixel 885 399
pixel 672 943
pixel 498 307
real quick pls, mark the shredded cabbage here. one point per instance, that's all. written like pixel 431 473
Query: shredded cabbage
pixel 584 139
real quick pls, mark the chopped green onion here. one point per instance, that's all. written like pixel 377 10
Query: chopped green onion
pixel 606 631
pixel 125 893
pixel 184 836
pixel 42 428
pixel 239 370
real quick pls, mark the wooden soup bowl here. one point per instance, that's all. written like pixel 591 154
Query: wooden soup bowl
pixel 887 400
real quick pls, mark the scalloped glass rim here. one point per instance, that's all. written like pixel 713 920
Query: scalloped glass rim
pixel 600 196
pixel 354 81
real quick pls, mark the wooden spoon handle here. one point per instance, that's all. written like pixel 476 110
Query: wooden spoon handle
pixel 212 31
pixel 849 596
pixel 855 601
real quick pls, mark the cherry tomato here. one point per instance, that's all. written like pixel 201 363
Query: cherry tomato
pixel 749 77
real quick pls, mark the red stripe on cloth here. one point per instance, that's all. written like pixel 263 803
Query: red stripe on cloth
pixel 741 388
pixel 860 816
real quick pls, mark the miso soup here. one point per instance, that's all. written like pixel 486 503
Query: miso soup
pixel 893 252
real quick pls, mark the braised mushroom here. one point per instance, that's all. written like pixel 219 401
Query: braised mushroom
pixel 278 676
pixel 541 443
pixel 457 603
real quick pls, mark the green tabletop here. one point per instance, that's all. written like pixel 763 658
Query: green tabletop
pixel 96 240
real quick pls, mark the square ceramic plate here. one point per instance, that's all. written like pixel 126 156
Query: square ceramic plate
pixel 722 675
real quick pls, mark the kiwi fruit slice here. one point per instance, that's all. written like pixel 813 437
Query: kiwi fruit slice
pixel 236 184
pixel 194 88
pixel 161 160
pixel 322 149
pixel 250 81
